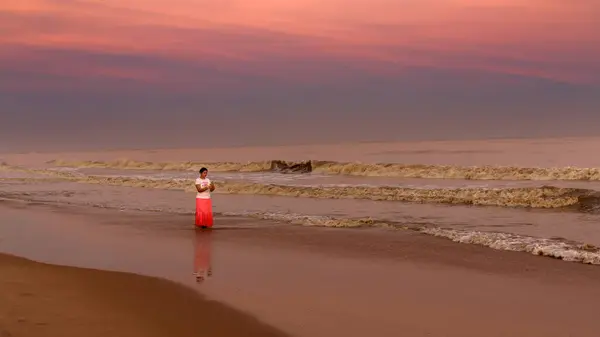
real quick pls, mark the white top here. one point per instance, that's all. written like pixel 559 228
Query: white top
pixel 203 183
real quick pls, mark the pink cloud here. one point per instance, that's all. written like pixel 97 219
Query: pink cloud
pixel 549 39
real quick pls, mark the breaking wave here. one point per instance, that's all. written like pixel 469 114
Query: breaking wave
pixel 486 172
pixel 556 248
pixel 317 220
pixel 549 197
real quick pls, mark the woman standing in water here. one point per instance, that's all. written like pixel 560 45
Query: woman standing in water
pixel 204 216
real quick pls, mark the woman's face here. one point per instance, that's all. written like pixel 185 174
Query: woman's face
pixel 204 174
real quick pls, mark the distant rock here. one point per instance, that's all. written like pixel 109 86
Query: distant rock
pixel 282 166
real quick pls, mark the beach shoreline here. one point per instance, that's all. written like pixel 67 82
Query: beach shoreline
pixel 40 299
pixel 313 281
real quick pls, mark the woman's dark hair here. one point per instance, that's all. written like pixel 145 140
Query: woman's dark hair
pixel 204 169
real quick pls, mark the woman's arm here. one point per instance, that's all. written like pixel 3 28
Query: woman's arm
pixel 201 189
pixel 211 186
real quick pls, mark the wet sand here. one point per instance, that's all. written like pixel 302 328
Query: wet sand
pixel 321 281
pixel 47 300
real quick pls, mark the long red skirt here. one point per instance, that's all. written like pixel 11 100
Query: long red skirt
pixel 204 216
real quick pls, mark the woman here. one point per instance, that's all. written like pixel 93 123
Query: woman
pixel 204 216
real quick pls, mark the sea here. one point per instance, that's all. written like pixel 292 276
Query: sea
pixel 536 196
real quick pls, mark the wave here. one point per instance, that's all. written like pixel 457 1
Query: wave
pixel 556 248
pixel 549 197
pixel 486 172
pixel 317 220
pixel 126 164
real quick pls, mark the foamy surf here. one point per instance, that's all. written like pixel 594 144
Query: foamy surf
pixel 567 251
pixel 358 169
pixel 126 164
pixel 530 197
pixel 315 220
pixel 555 248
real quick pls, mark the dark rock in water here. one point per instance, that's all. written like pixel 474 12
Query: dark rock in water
pixel 282 166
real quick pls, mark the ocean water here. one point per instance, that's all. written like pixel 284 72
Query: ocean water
pixel 537 196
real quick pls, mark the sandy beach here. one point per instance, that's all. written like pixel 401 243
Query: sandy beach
pixel 47 300
pixel 304 281
pixel 459 247
pixel 373 168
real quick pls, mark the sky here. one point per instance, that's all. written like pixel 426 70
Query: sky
pixel 193 73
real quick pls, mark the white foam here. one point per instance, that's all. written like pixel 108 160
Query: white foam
pixel 567 251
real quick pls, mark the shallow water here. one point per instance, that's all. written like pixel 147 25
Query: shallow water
pixel 437 203
pixel 581 227
pixel 306 293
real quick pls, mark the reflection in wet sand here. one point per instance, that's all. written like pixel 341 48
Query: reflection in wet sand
pixel 202 255
pixel 370 282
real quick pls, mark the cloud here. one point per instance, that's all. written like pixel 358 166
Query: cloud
pixel 389 65
pixel 311 41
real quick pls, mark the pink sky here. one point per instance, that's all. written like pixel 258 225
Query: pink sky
pixel 551 39
pixel 301 55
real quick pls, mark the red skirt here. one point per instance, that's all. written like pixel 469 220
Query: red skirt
pixel 204 216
